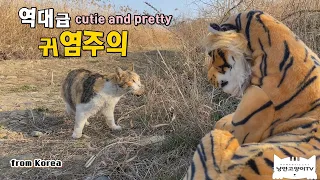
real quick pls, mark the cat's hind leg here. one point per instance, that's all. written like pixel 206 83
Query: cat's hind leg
pixel 69 110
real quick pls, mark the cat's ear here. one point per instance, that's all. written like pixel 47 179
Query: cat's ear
pixel 119 71
pixel 131 67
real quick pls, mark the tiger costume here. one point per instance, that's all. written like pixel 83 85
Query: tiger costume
pixel 255 55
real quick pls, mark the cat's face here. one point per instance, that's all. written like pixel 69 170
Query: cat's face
pixel 130 80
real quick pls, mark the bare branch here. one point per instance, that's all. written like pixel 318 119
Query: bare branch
pixel 152 7
pixel 299 12
pixel 225 14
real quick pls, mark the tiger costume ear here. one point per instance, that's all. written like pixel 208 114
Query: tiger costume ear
pixel 214 28
pixel 210 53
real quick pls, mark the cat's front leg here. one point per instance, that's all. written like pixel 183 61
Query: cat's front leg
pixel 108 112
pixel 83 112
pixel 80 120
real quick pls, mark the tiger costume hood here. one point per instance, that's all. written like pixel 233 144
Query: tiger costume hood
pixel 279 112
pixel 285 81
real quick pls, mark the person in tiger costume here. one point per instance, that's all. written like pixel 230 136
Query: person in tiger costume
pixel 257 57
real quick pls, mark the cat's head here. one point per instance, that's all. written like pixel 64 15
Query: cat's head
pixel 130 80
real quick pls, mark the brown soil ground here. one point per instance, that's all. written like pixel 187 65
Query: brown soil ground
pixel 161 128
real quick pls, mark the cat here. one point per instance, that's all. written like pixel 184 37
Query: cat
pixel 86 93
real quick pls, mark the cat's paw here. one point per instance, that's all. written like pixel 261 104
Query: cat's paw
pixel 76 135
pixel 116 127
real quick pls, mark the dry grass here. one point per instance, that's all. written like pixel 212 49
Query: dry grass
pixel 179 104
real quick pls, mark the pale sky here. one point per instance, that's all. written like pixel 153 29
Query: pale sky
pixel 168 7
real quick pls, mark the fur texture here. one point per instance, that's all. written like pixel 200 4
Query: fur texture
pixel 228 63
pixel 86 93
pixel 279 112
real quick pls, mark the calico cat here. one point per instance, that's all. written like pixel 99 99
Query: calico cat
pixel 86 93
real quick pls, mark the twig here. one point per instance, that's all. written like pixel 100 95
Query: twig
pixel 33 121
pixel 225 14
pixel 174 80
pixel 52 83
pixel 143 142
pixel 163 25
pixel 300 11
pixel 90 161
pixel 152 7
pixel 160 125
pixel 120 118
